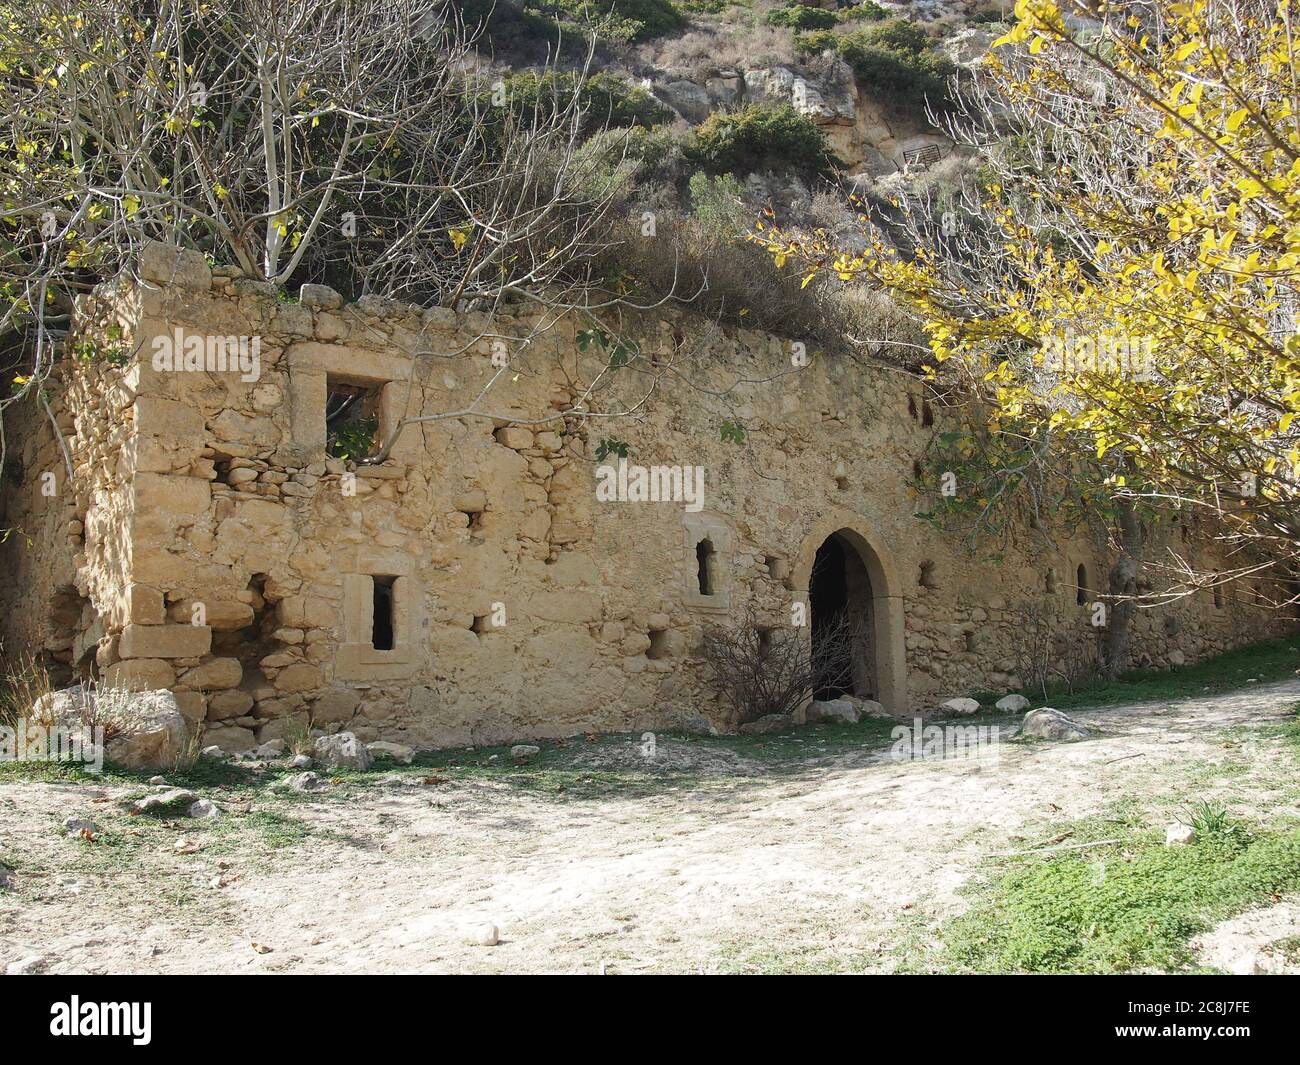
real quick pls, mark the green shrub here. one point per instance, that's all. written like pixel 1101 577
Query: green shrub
pixel 717 204
pixel 898 35
pixel 895 58
pixel 816 41
pixel 867 11
pixel 799 17
pixel 607 98
pixel 759 137
pixel 624 20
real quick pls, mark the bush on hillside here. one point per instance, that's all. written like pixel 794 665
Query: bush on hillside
pixel 624 20
pixel 718 205
pixel 606 98
pixel 759 137
pixel 894 59
pixel 798 17
pixel 867 11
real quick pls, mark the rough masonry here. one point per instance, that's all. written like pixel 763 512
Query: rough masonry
pixel 478 585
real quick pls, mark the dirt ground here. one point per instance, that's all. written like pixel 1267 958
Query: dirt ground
pixel 809 851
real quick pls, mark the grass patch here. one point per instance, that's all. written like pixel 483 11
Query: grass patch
pixel 1273 660
pixel 1289 731
pixel 560 770
pixel 1287 949
pixel 1131 906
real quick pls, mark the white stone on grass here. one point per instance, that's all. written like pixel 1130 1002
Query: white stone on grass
pixel 342 751
pixel 1049 724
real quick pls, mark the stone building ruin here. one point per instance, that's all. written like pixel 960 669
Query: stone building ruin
pixel 475 587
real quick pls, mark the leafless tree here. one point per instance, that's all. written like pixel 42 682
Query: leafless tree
pixel 764 669
pixel 1045 652
pixel 359 143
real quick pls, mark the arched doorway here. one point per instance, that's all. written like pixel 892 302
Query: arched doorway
pixel 846 575
pixel 840 602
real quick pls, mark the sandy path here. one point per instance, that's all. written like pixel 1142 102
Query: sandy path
pixel 843 859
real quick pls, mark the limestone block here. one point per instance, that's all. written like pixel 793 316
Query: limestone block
pixel 298 678
pixel 293 319
pixel 273 708
pixel 234 427
pixel 218 674
pixel 229 704
pixel 164 264
pixel 335 706
pixel 169 419
pixel 221 615
pixel 165 641
pixel 515 437
pixel 169 495
pixel 291 727
pixel 140 675
pixel 472 502
pixel 144 605
pixel 193 707
pixel 230 738
pixel 319 296
pixel 330 327
pixel 636 644
pixel 565 606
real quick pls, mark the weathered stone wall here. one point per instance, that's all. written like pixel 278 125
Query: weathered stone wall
pixel 66 498
pixel 226 557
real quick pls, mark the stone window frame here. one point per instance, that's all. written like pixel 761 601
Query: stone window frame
pixel 313 365
pixel 357 657
pixel 697 527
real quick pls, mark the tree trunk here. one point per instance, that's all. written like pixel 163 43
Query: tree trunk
pixel 1122 586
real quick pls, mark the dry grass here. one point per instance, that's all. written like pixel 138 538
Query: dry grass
pixel 716 46
pixel 25 681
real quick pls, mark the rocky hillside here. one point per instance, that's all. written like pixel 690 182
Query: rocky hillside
pixel 863 73
pixel 723 108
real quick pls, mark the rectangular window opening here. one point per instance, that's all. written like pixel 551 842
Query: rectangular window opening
pixel 351 419
pixel 382 628
pixel 704 555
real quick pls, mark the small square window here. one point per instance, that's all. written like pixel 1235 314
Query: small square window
pixel 351 419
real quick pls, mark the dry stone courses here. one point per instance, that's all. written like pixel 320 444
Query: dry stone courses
pixel 472 587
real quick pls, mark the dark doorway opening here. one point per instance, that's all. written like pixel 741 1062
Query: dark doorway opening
pixel 841 601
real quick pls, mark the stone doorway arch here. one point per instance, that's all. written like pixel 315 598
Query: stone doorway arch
pixel 841 569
